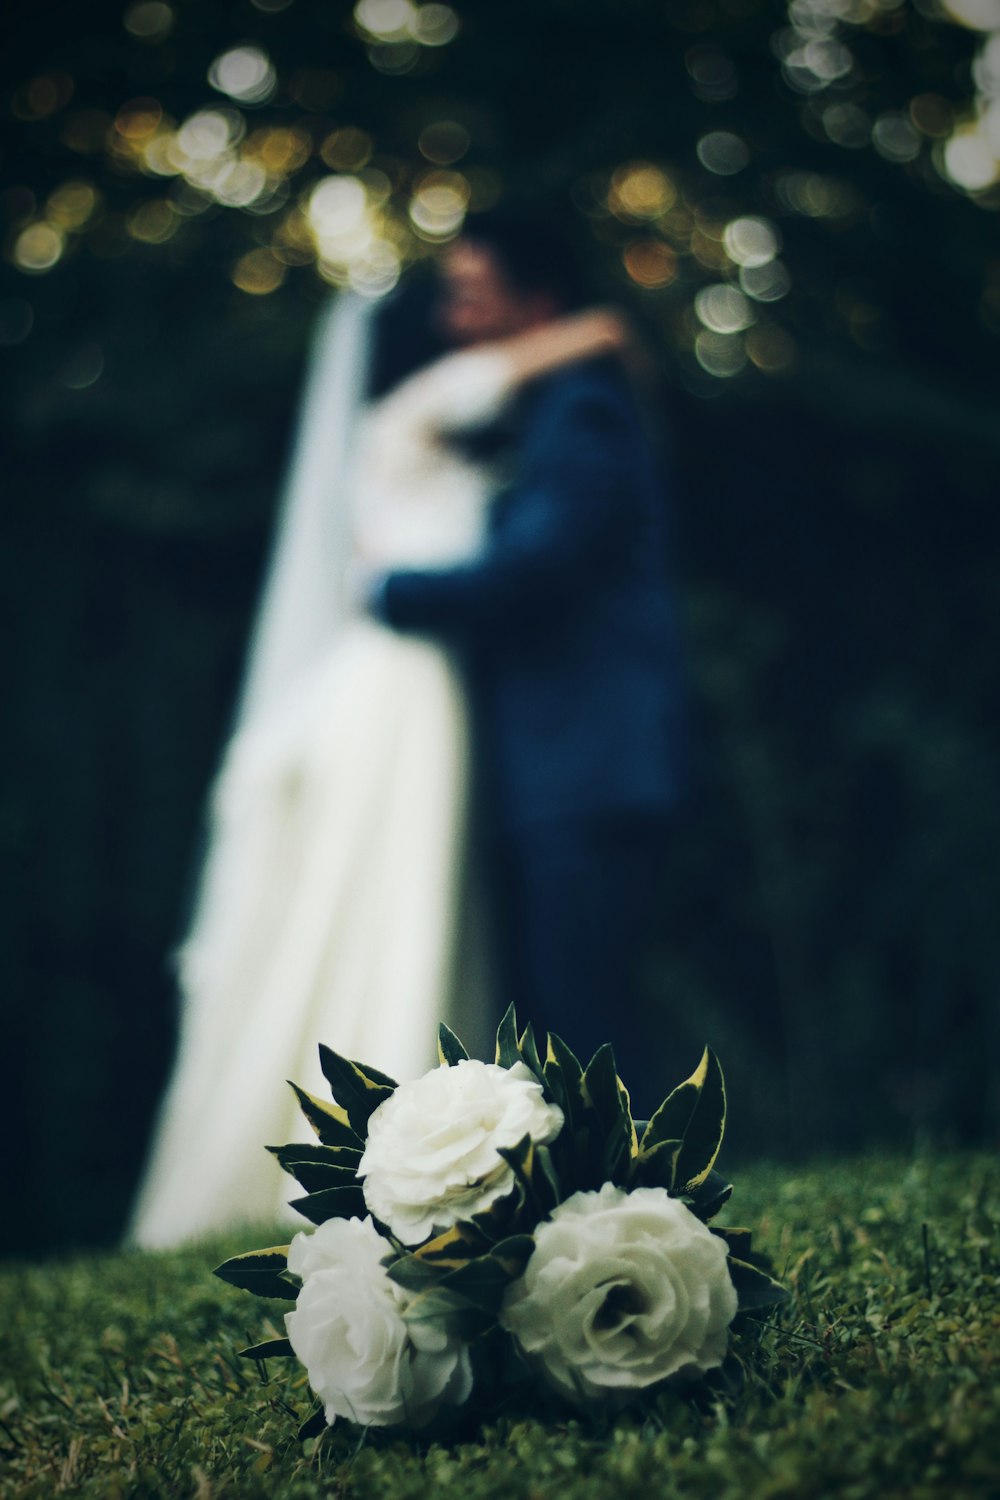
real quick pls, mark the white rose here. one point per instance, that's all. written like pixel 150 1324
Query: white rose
pixel 621 1291
pixel 363 1361
pixel 431 1155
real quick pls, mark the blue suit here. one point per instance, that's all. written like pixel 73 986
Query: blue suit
pixel 568 627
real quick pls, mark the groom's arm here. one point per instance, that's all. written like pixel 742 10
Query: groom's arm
pixel 567 520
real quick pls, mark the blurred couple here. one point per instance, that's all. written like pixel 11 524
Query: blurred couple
pixel 466 631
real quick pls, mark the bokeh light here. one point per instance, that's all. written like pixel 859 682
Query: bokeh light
pixel 258 272
pixel 38 247
pixel 640 190
pixel 722 152
pixel 149 21
pixel 347 149
pixel 720 354
pixel 650 264
pixel 444 143
pixel 71 205
pixel 771 349
pixel 439 204
pixel 723 309
pixel 751 241
pixel 245 74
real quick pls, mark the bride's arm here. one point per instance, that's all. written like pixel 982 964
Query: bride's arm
pixel 583 335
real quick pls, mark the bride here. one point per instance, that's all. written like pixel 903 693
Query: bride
pixel 331 903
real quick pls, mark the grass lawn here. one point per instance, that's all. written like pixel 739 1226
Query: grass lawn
pixel 119 1374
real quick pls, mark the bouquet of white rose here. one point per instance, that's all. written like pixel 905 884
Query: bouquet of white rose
pixel 496 1224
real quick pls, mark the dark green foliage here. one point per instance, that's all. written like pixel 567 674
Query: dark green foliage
pixel 828 912
pixel 120 1374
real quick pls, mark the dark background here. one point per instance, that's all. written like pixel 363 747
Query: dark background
pixel 828 921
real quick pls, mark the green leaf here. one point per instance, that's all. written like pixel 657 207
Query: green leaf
pixel 329 1121
pixel 450 1049
pixel 466 1301
pixel 754 1288
pixel 528 1048
pixel 658 1167
pixel 296 1153
pixel 448 1312
pixel 564 1076
pixel 260 1272
pixel 508 1052
pixel 608 1099
pixel 316 1176
pixel 269 1349
pixel 533 1180
pixel 358 1089
pixel 738 1240
pixel 694 1113
pixel 706 1127
pixel 313 1425
pixel 331 1203
pixel 454 1246
pixel 709 1196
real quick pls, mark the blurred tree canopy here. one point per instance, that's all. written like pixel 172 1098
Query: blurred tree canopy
pixel 799 200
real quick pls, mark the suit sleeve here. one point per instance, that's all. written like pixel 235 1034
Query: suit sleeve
pixel 564 524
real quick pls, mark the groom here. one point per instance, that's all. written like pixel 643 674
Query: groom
pixel 567 625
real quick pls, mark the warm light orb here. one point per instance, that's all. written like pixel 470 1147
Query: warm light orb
pixel 640 190
pixel 435 25
pixel 258 272
pixel 149 21
pixel 771 349
pixel 751 241
pixel 71 205
pixel 439 205
pixel 970 160
pixel 347 149
pixel 650 264
pixel 723 309
pixel 38 248
pixel 386 20
pixel 244 73
pixel 154 222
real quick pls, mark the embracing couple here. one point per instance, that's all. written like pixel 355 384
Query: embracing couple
pixel 495 686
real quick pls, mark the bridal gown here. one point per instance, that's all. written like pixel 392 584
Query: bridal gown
pixel 332 903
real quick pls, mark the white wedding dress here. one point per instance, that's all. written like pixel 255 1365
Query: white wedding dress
pixel 332 902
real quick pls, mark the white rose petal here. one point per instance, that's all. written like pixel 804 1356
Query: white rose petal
pixel 622 1290
pixel 431 1156
pixel 347 1328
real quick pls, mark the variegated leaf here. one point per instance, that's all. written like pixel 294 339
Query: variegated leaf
pixel 657 1167
pixel 709 1196
pixel 357 1088
pixel 508 1052
pixel 261 1272
pixel 754 1288
pixel 331 1203
pixel 694 1113
pixel 269 1349
pixel 329 1121
pixel 297 1152
pixel 607 1097
pixel 450 1049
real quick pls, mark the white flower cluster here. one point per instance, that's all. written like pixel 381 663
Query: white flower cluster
pixel 622 1291
pixel 347 1328
pixel 431 1159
